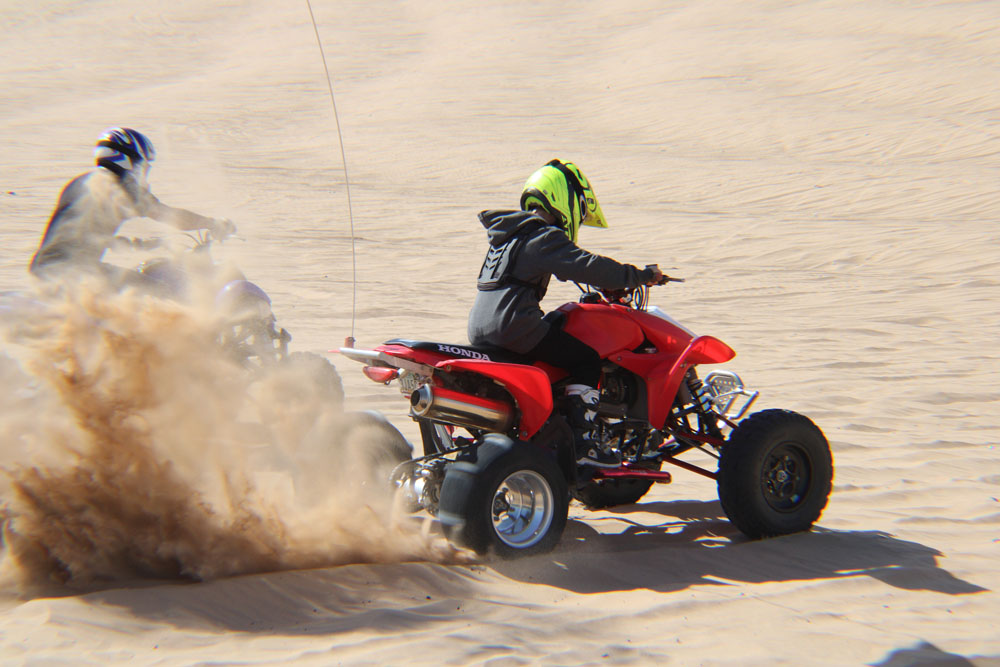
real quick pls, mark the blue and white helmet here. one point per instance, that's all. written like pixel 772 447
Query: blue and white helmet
pixel 123 150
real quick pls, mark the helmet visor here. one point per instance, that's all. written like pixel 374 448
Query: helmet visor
pixel 590 212
pixel 592 216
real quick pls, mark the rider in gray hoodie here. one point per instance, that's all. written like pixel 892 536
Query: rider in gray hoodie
pixel 527 248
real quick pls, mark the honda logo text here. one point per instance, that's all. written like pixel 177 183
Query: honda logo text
pixel 462 352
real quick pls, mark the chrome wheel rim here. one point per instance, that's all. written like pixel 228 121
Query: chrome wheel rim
pixel 522 509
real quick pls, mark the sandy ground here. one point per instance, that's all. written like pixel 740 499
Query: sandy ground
pixel 823 174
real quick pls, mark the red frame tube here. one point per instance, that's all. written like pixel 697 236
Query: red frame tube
pixel 690 467
pixel 658 476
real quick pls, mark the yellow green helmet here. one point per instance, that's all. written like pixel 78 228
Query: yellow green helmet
pixel 561 189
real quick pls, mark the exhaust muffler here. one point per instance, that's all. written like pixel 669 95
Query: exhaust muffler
pixel 454 407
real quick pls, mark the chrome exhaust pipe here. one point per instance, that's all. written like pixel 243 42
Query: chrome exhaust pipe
pixel 453 407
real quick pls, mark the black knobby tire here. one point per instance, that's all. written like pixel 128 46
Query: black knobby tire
pixel 348 455
pixel 614 492
pixel 385 445
pixel 372 447
pixel 775 474
pixel 297 393
pixel 325 381
pixel 509 498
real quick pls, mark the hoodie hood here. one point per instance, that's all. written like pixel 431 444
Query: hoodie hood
pixel 501 225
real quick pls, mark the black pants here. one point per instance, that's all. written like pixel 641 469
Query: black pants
pixel 562 350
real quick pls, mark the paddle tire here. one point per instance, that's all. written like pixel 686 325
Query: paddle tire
pixel 775 474
pixel 375 443
pixel 325 380
pixel 614 492
pixel 505 497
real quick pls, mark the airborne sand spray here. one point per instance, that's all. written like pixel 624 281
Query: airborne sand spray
pixel 133 449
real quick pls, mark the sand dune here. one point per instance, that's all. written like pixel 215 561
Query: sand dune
pixel 822 174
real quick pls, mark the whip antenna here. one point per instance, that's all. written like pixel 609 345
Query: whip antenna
pixel 349 342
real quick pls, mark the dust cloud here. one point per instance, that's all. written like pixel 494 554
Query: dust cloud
pixel 133 449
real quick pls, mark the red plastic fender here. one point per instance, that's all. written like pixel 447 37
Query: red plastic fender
pixel 668 338
pixel 529 385
pixel 664 380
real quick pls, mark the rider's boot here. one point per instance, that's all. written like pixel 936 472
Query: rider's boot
pixel 583 401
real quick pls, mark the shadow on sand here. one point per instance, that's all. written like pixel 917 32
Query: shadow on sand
pixel 689 543
pixel 924 654
pixel 668 546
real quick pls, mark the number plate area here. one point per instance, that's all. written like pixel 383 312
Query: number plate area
pixel 409 382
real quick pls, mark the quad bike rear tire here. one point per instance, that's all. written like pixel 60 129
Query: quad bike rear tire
pixel 299 395
pixel 347 456
pixel 372 447
pixel 325 379
pixel 775 474
pixel 506 497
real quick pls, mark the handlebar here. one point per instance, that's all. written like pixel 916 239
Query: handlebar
pixel 635 297
pixel 221 228
pixel 664 278
pixel 217 229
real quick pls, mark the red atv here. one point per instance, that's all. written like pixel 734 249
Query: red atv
pixel 499 465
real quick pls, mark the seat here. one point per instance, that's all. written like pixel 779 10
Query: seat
pixel 456 351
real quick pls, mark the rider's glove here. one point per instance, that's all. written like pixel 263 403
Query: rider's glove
pixel 652 275
pixel 220 228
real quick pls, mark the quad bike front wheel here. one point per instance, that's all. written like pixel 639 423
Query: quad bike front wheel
pixel 506 497
pixel 775 474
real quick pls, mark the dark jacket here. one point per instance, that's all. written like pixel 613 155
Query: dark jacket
pixel 524 254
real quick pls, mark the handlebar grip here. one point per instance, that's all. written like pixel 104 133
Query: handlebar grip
pixel 664 278
pixel 221 228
